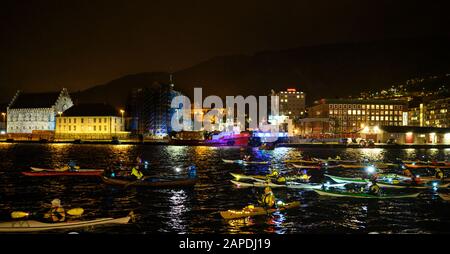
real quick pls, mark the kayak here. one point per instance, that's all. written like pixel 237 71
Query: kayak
pixel 258 184
pixel 445 197
pixel 261 177
pixel 318 186
pixel 427 166
pixel 363 195
pixel 248 212
pixel 62 169
pixel 290 185
pixel 32 225
pixel 306 166
pixel 160 183
pixel 246 162
pixel 340 179
pixel 65 173
pixel 403 185
pixel 302 161
pixel 353 166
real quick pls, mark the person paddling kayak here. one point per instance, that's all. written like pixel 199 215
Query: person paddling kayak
pixel 246 158
pixel 374 189
pixel 72 166
pixel 192 172
pixel 136 170
pixel 57 212
pixel 268 198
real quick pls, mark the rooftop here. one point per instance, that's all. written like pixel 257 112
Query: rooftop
pixel 35 100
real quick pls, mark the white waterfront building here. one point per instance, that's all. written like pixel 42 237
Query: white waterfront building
pixel 28 112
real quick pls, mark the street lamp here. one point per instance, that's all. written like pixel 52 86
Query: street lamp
pixel 60 113
pixel 122 112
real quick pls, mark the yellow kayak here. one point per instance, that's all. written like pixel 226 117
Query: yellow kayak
pixel 254 211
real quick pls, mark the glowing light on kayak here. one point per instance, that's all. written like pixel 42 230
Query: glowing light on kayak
pixel 370 169
pixel 435 184
pixel 178 170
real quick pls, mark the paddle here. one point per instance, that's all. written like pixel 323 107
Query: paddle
pixel 73 212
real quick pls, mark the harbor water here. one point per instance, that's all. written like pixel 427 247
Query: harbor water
pixel 195 210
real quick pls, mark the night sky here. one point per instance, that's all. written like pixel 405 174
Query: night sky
pixel 46 45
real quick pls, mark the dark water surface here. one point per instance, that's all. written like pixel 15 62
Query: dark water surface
pixel 195 210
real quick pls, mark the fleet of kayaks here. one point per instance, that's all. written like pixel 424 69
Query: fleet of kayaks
pixel 151 183
pixel 363 195
pixel 243 162
pixel 34 226
pixel 254 211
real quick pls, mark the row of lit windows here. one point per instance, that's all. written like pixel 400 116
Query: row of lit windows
pixel 292 92
pixel 364 112
pixel 358 125
pixel 69 120
pixel 372 118
pixel 364 106
pixel 89 120
pixel 29 128
pixel 285 100
pixel 89 128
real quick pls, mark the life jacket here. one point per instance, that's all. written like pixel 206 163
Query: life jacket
pixel 268 199
pixel 57 214
pixel 439 175
pixel 138 174
pixel 374 189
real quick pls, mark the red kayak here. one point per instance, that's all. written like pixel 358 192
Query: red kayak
pixel 65 173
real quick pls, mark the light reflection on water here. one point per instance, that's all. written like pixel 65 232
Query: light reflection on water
pixel 195 210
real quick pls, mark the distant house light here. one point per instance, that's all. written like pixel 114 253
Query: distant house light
pixel 291 90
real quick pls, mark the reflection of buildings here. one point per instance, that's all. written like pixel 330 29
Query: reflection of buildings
pixel 35 112
pixel 345 116
pixel 150 109
pixel 90 121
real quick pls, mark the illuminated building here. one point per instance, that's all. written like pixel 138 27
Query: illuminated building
pixel 415 135
pixel 292 103
pixel 31 112
pixel 438 113
pixel 150 109
pixel 346 116
pixel 90 121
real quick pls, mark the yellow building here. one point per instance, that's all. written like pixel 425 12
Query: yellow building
pixel 90 122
